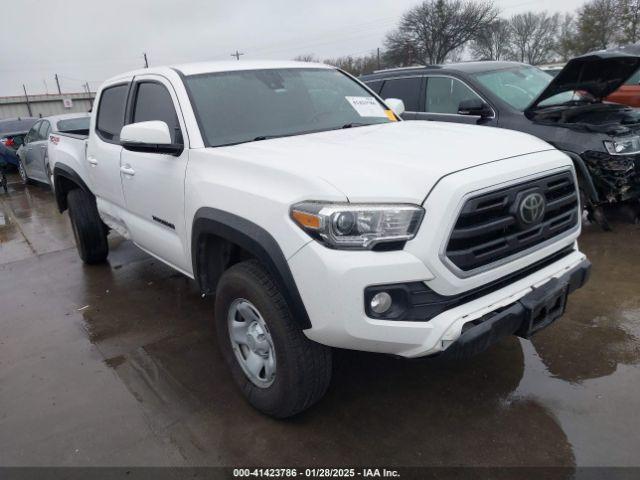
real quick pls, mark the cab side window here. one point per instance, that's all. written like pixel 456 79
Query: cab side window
pixel 444 95
pixel 153 102
pixel 110 119
pixel 406 89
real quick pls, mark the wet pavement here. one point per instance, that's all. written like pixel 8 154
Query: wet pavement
pixel 117 365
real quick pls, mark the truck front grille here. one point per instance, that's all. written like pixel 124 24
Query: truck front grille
pixel 493 226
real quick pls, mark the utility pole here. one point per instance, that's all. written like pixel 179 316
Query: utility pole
pixel 378 58
pixel 237 54
pixel 27 98
pixel 146 61
pixel 58 84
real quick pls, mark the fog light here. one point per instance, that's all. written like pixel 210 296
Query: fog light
pixel 381 302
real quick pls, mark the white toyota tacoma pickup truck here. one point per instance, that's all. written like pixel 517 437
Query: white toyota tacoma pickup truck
pixel 318 219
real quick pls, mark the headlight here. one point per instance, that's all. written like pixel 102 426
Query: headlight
pixel 623 146
pixel 357 226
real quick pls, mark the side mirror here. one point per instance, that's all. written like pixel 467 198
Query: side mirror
pixel 149 137
pixel 475 107
pixel 396 105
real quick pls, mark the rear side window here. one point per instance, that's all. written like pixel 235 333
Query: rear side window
pixel 406 89
pixel 111 112
pixel 153 102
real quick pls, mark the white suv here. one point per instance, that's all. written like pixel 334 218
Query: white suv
pixel 319 219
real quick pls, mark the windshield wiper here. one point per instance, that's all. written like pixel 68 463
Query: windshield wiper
pixel 356 124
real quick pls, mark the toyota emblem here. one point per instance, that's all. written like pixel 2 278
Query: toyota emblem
pixel 532 208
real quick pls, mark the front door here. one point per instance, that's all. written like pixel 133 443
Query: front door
pixel 153 183
pixel 31 150
pixel 39 152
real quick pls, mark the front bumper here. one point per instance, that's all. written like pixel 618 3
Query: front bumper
pixel 332 285
pixel 533 312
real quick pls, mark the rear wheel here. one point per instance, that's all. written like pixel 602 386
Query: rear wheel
pixel 279 370
pixel 88 229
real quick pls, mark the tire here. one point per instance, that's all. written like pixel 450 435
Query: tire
pixel 302 367
pixel 23 173
pixel 88 229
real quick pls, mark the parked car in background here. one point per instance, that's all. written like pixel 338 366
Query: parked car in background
pixel 33 162
pixel 568 111
pixel 319 220
pixel 12 132
pixel 629 93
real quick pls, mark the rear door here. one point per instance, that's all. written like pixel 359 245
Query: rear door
pixel 103 153
pixel 153 183
pixel 442 98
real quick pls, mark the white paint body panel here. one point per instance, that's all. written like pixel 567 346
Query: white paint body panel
pixel 424 163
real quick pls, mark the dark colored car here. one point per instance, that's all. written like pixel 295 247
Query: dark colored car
pixel 568 111
pixel 12 133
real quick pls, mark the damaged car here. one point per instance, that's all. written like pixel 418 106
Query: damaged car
pixel 568 111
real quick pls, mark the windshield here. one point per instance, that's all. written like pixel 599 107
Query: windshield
pixel 74 124
pixel 247 105
pixel 519 86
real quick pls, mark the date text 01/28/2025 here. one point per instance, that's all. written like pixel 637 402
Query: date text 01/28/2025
pixel 315 473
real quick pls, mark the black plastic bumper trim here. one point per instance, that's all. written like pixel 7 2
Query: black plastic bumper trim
pixel 532 313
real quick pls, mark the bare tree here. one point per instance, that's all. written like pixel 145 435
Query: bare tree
pixel 630 18
pixel 431 31
pixel 307 57
pixel 566 42
pixel 355 65
pixel 533 36
pixel 598 25
pixel 492 42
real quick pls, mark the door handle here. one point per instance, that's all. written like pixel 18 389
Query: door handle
pixel 127 170
pixel 92 161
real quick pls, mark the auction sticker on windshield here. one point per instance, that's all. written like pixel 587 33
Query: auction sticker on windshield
pixel 366 106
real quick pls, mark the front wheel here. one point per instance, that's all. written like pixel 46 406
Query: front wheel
pixel 279 370
pixel 88 229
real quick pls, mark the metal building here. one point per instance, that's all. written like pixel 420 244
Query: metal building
pixel 45 105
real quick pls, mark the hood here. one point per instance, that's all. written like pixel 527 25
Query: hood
pixel 389 162
pixel 599 73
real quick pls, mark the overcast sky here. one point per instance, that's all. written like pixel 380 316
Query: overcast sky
pixel 90 40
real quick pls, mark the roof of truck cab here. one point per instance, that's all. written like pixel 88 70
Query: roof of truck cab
pixel 199 68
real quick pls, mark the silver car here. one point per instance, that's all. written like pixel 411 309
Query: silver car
pixel 33 160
